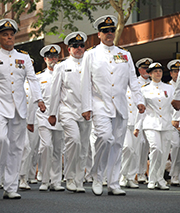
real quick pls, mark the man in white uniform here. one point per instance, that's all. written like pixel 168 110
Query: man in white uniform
pixel 174 66
pixel 51 137
pixel 31 145
pixel 106 72
pixel 65 92
pixel 14 68
pixel 143 146
pixel 130 148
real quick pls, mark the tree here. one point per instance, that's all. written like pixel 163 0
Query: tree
pixel 71 11
pixel 74 10
pixel 18 7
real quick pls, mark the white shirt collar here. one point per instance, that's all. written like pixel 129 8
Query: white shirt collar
pixel 7 52
pixel 107 47
pixel 76 59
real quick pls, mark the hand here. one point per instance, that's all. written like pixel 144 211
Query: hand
pixel 176 104
pixel 30 127
pixel 175 124
pixel 141 108
pixel 42 106
pixel 87 115
pixel 136 132
pixel 52 120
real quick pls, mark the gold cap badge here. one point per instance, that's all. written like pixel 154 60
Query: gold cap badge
pixel 157 65
pixel 108 20
pixel 78 37
pixel 52 50
pixel 8 24
pixel 147 62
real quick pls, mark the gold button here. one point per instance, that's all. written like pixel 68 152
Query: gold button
pixel 10 64
pixel 158 93
pixel 129 104
pixel 12 73
pixel 9 56
pixel 78 63
pixel 110 62
pixel 130 111
pixel 79 71
pixel 159 100
pixel 26 95
pixel 156 87
pixel 12 91
pixel 109 51
pixel 113 97
pixel 26 88
pixel 160 116
pixel 129 97
pixel 128 91
pixel 112 85
pixel 12 82
pixel 159 107
pixel 27 103
pixel 111 72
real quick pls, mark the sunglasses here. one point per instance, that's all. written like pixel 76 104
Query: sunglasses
pixel 106 30
pixel 77 45
pixel 51 56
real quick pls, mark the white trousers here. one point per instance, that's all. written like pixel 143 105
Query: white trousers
pixel 110 134
pixel 50 149
pixel 76 148
pixel 12 137
pixel 30 154
pixel 159 143
pixel 175 154
pixel 143 149
pixel 91 153
pixel 129 154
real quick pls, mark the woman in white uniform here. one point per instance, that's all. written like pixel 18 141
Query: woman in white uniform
pixel 156 123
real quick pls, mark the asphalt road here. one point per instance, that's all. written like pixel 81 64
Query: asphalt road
pixel 140 200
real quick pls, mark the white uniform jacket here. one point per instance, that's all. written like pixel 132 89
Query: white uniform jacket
pixel 177 89
pixel 111 70
pixel 66 89
pixel 132 108
pixel 158 114
pixel 14 68
pixel 45 79
pixel 143 81
pixel 176 114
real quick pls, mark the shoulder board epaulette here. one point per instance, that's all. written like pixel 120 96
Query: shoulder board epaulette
pixel 145 85
pixel 122 48
pixel 40 72
pixel 90 48
pixel 22 51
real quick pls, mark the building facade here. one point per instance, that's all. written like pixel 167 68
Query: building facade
pixel 153 31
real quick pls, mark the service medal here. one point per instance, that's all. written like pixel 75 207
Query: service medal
pixel 165 93
pixel 120 58
pixel 19 63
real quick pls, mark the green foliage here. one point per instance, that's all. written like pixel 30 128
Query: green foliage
pixel 70 11
pixel 19 7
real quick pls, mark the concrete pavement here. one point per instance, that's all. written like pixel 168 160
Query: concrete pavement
pixel 140 200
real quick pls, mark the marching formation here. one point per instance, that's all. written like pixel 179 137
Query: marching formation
pixel 88 117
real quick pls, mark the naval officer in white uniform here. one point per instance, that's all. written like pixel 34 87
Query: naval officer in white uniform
pixel 142 145
pixel 14 68
pixel 51 137
pixel 107 71
pixel 65 92
pixel 156 123
pixel 174 66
